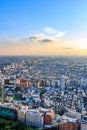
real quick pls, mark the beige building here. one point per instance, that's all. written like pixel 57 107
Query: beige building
pixel 22 114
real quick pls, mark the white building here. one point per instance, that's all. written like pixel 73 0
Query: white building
pixel 35 118
pixel 55 83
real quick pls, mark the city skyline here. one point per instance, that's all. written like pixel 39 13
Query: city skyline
pixel 43 27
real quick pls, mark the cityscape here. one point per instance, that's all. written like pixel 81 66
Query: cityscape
pixel 43 65
pixel 47 92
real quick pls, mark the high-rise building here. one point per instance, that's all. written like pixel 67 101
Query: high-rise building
pixel 35 118
pixel 62 82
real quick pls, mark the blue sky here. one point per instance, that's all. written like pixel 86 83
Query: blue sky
pixel 22 18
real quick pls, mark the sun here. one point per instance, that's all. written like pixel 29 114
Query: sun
pixel 82 43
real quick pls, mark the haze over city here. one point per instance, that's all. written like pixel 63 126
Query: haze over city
pixel 48 27
pixel 43 65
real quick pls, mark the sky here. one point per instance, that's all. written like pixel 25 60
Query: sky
pixel 43 27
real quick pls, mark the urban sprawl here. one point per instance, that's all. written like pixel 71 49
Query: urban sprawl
pixel 48 92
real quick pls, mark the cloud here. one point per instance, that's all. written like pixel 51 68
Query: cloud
pixel 67 48
pixel 45 41
pixel 41 43
pixel 32 38
pixel 49 35
pixel 11 21
pixel 50 30
pixel 54 33
pixel 37 39
pixel 60 34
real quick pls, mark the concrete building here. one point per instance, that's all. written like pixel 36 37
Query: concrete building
pixel 22 114
pixel 68 126
pixel 62 81
pixel 84 121
pixel 55 83
pixel 24 82
pixel 35 118
pixel 48 115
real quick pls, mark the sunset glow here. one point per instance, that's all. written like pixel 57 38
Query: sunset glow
pixel 43 27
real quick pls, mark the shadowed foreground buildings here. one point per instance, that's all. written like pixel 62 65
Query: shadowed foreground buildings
pixel 68 126
pixel 84 121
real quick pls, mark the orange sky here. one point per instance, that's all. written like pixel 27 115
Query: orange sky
pixel 54 47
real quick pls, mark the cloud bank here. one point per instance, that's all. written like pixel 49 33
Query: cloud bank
pixel 48 42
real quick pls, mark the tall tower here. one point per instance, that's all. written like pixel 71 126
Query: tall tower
pixel 62 81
